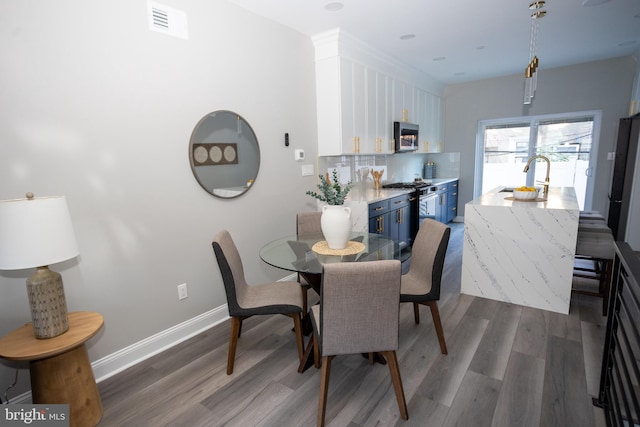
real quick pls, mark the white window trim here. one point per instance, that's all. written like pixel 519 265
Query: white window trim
pixel 532 121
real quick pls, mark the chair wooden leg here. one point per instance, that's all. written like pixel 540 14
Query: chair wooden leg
pixel 297 327
pixel 435 313
pixel 240 326
pixel 304 300
pixel 324 388
pixel 316 352
pixel 416 313
pixel 394 370
pixel 236 324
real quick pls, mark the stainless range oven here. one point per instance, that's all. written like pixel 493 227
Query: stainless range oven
pixel 427 203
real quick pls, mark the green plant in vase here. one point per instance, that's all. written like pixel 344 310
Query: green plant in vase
pixel 330 190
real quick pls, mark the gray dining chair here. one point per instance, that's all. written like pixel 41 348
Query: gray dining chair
pixel 244 300
pixel 421 284
pixel 358 313
pixel 307 223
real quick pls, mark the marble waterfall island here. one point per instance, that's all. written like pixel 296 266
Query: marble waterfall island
pixel 521 252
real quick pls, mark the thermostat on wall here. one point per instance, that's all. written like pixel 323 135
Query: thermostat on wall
pixel 299 155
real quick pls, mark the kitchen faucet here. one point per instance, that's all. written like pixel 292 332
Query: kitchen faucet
pixel 546 180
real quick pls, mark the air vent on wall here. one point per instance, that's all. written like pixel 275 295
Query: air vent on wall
pixel 167 20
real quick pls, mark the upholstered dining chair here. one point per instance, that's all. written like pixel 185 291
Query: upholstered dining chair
pixel 307 223
pixel 244 300
pixel 358 313
pixel 421 284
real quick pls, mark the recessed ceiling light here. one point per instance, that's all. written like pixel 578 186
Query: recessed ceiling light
pixel 333 6
pixel 439 58
pixel 479 47
pixel 407 36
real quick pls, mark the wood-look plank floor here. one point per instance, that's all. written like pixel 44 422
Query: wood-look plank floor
pixel 507 366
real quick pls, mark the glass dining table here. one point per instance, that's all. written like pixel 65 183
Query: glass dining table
pixel 306 254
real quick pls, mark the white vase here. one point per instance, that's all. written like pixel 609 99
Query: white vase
pixel 336 225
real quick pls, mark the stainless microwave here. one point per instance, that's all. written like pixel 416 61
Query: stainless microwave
pixel 405 136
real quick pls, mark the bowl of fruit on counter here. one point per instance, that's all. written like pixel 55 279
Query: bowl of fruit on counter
pixel 525 193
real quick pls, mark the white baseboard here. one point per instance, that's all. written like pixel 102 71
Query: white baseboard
pixel 125 358
pixel 117 362
pixel 129 356
pixel 136 353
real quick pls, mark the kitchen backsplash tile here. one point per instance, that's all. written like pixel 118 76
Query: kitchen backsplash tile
pixel 402 167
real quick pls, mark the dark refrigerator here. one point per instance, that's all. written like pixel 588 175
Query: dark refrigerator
pixel 621 199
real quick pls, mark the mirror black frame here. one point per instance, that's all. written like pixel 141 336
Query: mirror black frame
pixel 224 154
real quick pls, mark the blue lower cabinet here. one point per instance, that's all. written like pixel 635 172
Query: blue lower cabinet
pixel 392 218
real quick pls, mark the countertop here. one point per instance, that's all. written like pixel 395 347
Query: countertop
pixel 371 195
pixel 558 198
pixel 521 252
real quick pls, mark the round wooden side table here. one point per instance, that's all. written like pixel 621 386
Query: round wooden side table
pixel 59 366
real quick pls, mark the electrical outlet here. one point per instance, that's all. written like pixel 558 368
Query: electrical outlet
pixel 182 291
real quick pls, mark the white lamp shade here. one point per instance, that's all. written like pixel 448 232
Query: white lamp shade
pixel 35 232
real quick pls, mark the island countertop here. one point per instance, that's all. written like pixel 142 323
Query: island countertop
pixel 558 198
pixel 521 252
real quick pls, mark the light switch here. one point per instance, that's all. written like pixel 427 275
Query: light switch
pixel 307 170
pixel 299 154
pixel 611 155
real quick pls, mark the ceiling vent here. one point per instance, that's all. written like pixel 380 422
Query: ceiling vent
pixel 167 20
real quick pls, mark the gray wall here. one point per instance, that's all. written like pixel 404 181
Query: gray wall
pixel 602 85
pixel 96 107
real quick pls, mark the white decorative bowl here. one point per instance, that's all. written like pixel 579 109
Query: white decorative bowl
pixel 525 195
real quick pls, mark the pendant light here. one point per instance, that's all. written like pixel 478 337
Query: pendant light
pixel 531 72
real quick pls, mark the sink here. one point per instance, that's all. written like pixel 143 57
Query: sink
pixel 507 190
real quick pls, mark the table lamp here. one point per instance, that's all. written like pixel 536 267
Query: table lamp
pixel 37 232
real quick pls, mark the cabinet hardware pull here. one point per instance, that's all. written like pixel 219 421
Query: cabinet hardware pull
pixel 412 199
pixel 379 208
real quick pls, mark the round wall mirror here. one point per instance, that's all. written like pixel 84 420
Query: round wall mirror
pixel 224 154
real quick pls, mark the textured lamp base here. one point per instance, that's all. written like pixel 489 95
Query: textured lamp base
pixel 47 303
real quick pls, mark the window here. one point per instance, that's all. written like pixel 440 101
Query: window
pixel 568 141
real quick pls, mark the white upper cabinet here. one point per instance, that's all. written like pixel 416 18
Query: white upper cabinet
pixel 353 109
pixel 330 106
pixel 429 118
pixel 379 126
pixel 404 102
pixel 357 104
pixel 384 123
